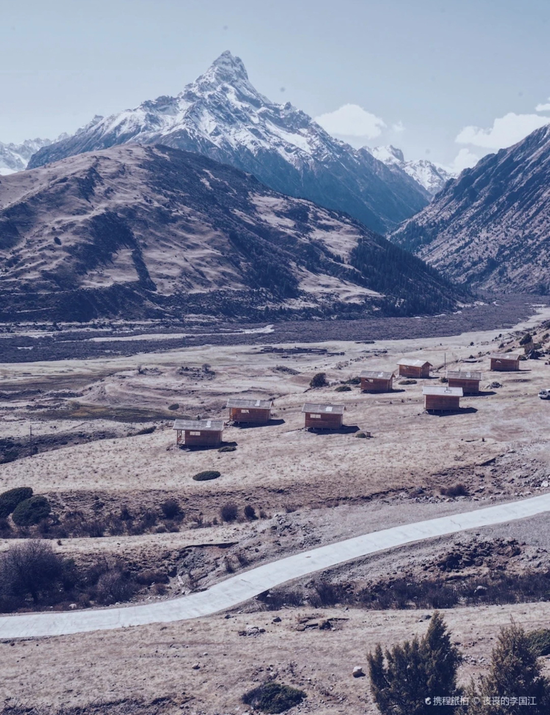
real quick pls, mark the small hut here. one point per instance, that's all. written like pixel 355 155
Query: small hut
pixel 323 416
pixel 504 362
pixel 442 399
pixel 414 368
pixel 243 411
pixel 374 381
pixel 199 433
pixel 467 380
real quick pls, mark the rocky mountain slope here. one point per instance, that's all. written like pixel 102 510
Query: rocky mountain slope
pixel 491 226
pixel 222 116
pixel 429 175
pixel 15 157
pixel 139 231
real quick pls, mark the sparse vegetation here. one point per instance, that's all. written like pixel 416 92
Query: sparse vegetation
pixel 227 448
pixel 343 388
pixel 273 697
pixel 206 475
pixel 540 641
pixel 250 512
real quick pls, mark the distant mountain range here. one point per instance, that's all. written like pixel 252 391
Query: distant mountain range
pixel 15 157
pixel 222 116
pixel 152 231
pixel 490 228
pixel 429 175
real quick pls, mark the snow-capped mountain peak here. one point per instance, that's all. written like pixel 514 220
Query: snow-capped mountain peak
pixel 221 115
pixel 432 177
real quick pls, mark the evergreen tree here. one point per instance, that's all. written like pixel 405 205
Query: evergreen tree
pixel 514 675
pixel 406 678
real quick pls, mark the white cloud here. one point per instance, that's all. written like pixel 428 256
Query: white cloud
pixel 463 160
pixel 398 127
pixel 353 121
pixel 505 131
pixel 543 107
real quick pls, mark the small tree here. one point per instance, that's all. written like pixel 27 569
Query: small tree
pixel 30 569
pixel 405 676
pixel 229 511
pixel 515 672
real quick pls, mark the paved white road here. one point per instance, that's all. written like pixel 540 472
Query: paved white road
pixel 235 590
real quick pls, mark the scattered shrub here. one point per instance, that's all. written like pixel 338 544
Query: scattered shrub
pixel 227 448
pixel 250 512
pixel 114 586
pixel 280 597
pixel 175 406
pixel 343 388
pixel 170 508
pixel 206 475
pixel 318 380
pixel 146 430
pixel 526 339
pixel 456 490
pixel 539 641
pixel 408 382
pixel 229 512
pixel 360 435
pixel 328 594
pixel 273 697
pixel 125 514
pixel 31 511
pixel 10 499
pixel 353 381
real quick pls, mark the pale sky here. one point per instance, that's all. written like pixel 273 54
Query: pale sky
pixel 437 78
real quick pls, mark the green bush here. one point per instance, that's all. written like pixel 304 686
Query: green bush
pixel 456 490
pixel 343 388
pixel 31 511
pixel 229 511
pixel 170 508
pixel 206 475
pixel 10 499
pixel 273 697
pixel 318 380
pixel 540 641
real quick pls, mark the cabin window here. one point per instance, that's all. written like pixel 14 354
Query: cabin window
pixel 194 434
pixel 315 417
pixel 244 412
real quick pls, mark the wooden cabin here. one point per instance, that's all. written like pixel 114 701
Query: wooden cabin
pixel 375 381
pixel 257 412
pixel 468 380
pixel 414 368
pixel 442 399
pixel 199 433
pixel 504 362
pixel 323 416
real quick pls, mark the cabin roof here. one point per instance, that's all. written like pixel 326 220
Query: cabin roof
pixel 325 409
pixel 464 375
pixel 202 425
pixel 376 375
pixel 414 363
pixel 249 403
pixel 443 391
pixel 504 356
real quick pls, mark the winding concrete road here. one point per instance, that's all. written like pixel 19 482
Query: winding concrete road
pixel 236 590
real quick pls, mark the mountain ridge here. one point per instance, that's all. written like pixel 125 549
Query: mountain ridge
pixel 151 231
pixel 489 227
pixel 222 116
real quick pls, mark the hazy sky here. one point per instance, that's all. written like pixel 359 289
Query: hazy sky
pixel 434 77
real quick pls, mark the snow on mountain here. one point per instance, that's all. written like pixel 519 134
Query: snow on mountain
pixel 430 176
pixel 222 116
pixel 489 227
pixel 15 157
